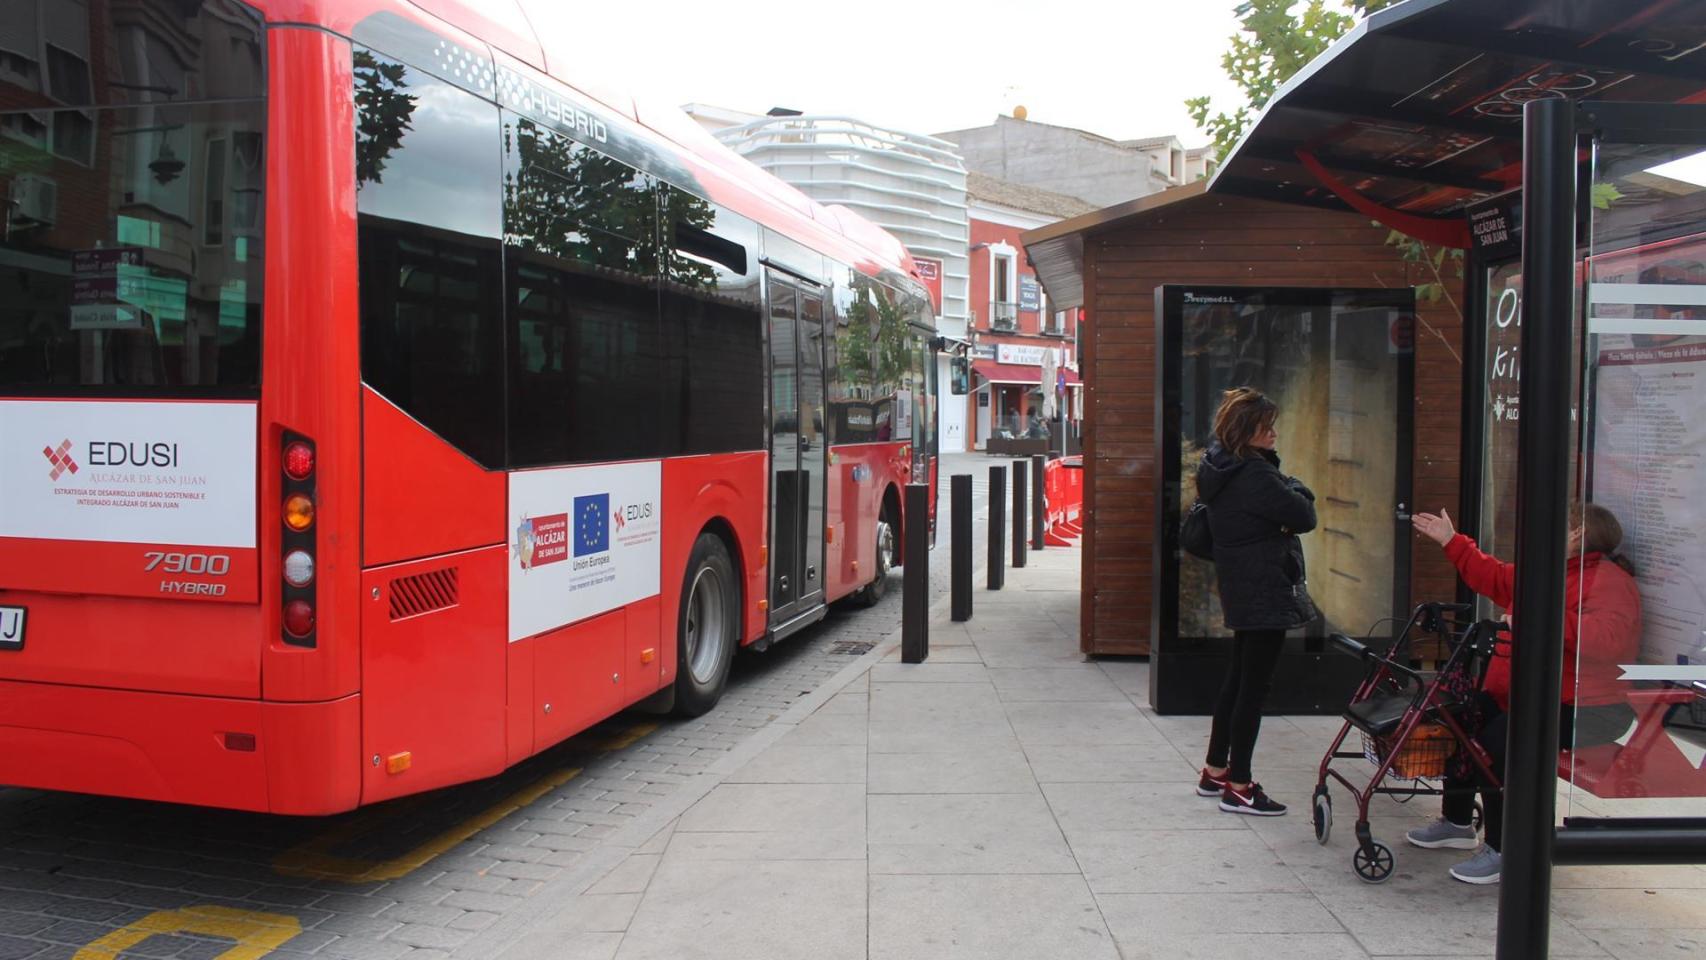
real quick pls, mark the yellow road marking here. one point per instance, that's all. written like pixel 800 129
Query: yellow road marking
pixel 314 858
pixel 257 934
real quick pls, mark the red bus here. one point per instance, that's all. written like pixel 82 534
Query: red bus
pixel 378 409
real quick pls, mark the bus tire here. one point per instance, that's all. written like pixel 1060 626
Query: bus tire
pixel 707 627
pixel 888 544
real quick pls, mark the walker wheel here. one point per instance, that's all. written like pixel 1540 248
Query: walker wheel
pixel 1373 863
pixel 1323 815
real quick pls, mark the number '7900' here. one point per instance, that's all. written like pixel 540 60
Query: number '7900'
pixel 210 564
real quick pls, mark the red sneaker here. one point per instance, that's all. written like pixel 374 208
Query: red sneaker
pixel 1210 785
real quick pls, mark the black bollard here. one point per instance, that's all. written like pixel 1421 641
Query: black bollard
pixel 1039 498
pixel 1019 488
pixel 915 577
pixel 997 527
pixel 961 545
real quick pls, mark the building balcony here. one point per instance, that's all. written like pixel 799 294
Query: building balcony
pixel 1003 315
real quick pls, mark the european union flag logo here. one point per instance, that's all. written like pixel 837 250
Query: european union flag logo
pixel 592 524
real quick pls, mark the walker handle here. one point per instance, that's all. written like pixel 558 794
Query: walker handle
pixel 1350 646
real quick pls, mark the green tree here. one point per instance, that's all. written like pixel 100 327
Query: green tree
pixel 382 114
pixel 1274 43
pixel 1277 39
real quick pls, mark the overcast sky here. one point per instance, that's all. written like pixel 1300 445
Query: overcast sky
pixel 1120 69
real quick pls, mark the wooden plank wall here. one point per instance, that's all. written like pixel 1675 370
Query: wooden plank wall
pixel 1234 241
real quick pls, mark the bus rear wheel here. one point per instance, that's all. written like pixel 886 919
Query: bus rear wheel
pixel 707 628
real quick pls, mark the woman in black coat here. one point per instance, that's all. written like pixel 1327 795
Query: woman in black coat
pixel 1255 513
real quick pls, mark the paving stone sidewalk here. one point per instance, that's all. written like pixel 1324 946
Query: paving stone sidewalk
pixel 1009 799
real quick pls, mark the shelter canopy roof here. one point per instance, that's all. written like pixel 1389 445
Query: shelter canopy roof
pixel 1416 113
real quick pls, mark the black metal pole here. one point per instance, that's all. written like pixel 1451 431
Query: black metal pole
pixel 915 579
pixel 1039 498
pixel 997 527
pixel 1542 502
pixel 1019 488
pixel 961 542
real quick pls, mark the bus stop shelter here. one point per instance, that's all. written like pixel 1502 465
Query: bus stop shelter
pixel 1562 145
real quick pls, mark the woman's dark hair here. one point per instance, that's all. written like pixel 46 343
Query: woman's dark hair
pixel 1244 412
pixel 1601 533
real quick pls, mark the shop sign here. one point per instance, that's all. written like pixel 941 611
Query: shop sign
pixel 1495 227
pixel 1030 294
pixel 1021 354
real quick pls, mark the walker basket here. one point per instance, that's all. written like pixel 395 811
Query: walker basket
pixel 1423 754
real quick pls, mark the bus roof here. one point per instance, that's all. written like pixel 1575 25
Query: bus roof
pixel 517 28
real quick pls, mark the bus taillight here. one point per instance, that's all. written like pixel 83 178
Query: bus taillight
pixel 299 619
pixel 297 462
pixel 298 512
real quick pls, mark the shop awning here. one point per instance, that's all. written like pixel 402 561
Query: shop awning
pixel 1019 373
pixel 1416 113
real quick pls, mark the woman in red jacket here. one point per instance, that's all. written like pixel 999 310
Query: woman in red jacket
pixel 1600 585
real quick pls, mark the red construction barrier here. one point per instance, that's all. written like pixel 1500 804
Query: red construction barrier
pixel 1063 485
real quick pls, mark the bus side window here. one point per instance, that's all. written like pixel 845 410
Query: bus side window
pixel 713 329
pixel 427 192
pixel 581 236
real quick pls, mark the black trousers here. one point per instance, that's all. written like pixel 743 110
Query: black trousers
pixel 1588 727
pixel 1238 710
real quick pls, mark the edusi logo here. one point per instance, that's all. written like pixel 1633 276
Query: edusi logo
pixel 61 460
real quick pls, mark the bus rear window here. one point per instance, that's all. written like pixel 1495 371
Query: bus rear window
pixel 131 173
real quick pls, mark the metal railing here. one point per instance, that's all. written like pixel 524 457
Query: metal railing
pixel 1003 315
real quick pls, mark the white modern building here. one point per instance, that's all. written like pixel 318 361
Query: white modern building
pixel 912 185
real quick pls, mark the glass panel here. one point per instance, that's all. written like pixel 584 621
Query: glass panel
pixel 427 191
pixel 127 271
pixel 814 442
pixel 784 446
pixel 1334 364
pixel 713 329
pixel 1635 637
pixel 852 362
pixel 1497 534
pixel 582 243
pixel 116 289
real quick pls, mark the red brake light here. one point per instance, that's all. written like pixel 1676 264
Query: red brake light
pixel 298 460
pixel 299 618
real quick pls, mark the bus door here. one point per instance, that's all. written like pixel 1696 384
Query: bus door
pixel 799 446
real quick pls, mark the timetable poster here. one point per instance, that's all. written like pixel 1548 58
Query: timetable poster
pixel 1649 441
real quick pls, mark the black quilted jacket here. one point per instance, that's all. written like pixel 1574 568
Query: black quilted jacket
pixel 1256 513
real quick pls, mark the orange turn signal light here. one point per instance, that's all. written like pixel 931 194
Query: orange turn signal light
pixel 648 655
pixel 763 605
pixel 298 512
pixel 398 762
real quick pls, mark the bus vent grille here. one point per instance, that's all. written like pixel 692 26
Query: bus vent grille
pixel 423 593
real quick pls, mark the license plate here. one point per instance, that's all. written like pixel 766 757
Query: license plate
pixel 12 628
